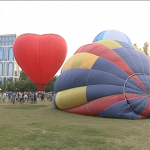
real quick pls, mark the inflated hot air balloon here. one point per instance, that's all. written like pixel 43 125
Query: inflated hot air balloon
pixel 40 56
pixel 106 79
pixel 112 35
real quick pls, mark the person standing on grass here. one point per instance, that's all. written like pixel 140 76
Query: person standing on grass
pixel 0 97
pixel 50 96
pixel 53 94
pixel 42 96
pixel 3 96
pixel 35 97
pixel 32 98
pixel 20 97
pixel 13 97
pixel 25 98
pixel 28 94
pixel 47 95
pixel 16 97
pixel 9 96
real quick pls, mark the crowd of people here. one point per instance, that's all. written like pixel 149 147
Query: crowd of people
pixel 25 97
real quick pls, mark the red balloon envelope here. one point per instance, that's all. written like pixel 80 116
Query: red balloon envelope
pixel 40 56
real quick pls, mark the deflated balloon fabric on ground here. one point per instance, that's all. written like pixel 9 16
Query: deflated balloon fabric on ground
pixel 107 78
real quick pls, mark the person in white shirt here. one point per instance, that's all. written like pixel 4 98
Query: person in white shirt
pixel 3 96
pixel 25 98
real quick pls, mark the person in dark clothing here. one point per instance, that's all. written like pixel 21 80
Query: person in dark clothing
pixel 42 96
pixel 35 98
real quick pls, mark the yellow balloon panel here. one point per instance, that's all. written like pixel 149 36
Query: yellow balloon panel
pixel 80 60
pixel 110 43
pixel 71 98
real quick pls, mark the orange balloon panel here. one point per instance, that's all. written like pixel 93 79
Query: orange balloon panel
pixel 40 56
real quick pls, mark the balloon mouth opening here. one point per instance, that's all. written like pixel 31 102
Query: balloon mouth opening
pixel 141 93
pixel 40 87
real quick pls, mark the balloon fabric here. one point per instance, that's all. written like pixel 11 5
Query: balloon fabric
pixel 107 78
pixel 40 56
pixel 112 35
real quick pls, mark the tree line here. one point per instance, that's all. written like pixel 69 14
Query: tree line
pixel 25 84
pixel 145 49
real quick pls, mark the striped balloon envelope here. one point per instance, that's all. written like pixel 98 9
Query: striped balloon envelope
pixel 106 79
pixel 112 35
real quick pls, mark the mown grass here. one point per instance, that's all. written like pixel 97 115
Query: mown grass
pixel 28 107
pixel 42 127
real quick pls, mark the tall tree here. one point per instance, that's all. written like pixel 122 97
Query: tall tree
pixel 25 84
pixel 135 45
pixel 145 48
pixel 50 85
pixel 4 85
pixel 23 76
pixel 139 49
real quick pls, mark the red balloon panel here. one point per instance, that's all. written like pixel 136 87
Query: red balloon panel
pixel 40 56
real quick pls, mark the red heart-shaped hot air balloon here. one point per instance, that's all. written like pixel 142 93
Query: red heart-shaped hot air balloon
pixel 40 56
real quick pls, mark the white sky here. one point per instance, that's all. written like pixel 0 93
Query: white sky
pixel 78 22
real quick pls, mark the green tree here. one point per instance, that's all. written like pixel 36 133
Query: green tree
pixel 50 85
pixel 23 76
pixel 25 84
pixel 19 85
pixel 139 49
pixel 10 86
pixel 4 85
pixel 145 48
pixel 29 86
pixel 135 45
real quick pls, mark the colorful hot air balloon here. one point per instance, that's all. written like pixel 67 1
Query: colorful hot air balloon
pixel 112 35
pixel 40 56
pixel 106 79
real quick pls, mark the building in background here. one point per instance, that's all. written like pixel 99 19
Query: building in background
pixel 9 68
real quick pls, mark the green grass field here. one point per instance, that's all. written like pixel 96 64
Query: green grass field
pixel 42 127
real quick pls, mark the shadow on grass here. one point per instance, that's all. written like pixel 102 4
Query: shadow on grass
pixel 27 107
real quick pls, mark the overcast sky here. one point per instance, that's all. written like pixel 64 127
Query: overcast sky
pixel 78 22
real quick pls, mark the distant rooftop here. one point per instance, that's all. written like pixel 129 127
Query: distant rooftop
pixel 7 34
